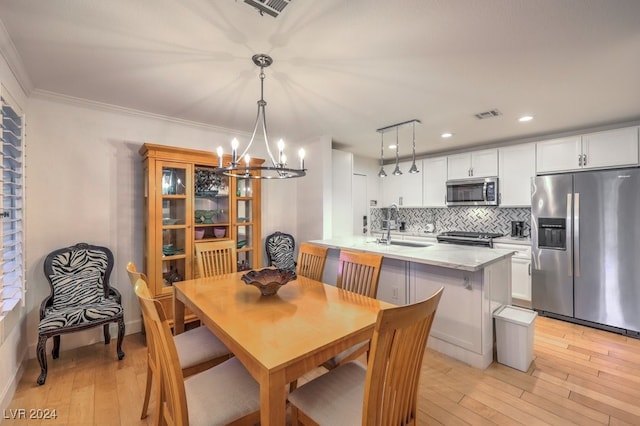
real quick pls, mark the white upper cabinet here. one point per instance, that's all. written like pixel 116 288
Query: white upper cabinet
pixel 481 163
pixel 611 148
pixel 517 165
pixel 405 190
pixel 434 180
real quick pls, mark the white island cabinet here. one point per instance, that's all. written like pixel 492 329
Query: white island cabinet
pixel 476 282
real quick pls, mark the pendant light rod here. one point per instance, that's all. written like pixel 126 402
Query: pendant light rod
pixel 393 126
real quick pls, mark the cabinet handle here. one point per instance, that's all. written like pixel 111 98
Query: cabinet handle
pixel 529 269
pixel 580 160
pixel 584 159
pixel 399 201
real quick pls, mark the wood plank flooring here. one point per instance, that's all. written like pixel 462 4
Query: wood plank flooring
pixel 579 376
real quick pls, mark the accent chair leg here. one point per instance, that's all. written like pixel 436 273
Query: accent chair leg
pixel 55 352
pixel 107 334
pixel 120 337
pixel 42 359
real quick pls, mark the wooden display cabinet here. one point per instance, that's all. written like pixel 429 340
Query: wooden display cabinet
pixel 185 202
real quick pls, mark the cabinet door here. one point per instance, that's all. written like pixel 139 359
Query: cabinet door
pixel 484 163
pixel 434 175
pixel 611 148
pixel 459 166
pixel 558 154
pixel 244 225
pixel 521 281
pixel 172 225
pixel 517 167
pixel 393 281
pixel 410 185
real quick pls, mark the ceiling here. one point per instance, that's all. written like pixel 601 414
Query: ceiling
pixel 344 68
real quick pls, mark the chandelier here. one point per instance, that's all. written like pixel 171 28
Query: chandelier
pixel 240 165
pixel 382 130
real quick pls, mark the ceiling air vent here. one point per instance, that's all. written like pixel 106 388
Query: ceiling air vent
pixel 488 114
pixel 270 7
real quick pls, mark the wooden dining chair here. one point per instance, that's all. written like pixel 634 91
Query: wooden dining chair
pixel 198 348
pixel 385 393
pixel 311 261
pixel 360 273
pixel 216 258
pixel 221 395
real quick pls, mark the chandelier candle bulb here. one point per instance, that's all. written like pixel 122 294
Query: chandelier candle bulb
pixel 247 159
pixel 234 151
pixel 281 152
pixel 301 155
pixel 283 161
pixel 220 152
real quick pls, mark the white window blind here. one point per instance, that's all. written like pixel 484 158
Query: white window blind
pixel 11 199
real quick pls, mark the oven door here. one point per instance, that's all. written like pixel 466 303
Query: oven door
pixel 473 192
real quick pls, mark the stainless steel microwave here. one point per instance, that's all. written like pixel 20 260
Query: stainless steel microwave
pixel 473 192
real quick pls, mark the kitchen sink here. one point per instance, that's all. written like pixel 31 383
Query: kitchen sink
pixel 408 243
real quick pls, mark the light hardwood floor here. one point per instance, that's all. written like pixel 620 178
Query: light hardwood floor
pixel 579 376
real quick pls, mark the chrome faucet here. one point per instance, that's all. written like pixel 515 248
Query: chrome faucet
pixel 387 240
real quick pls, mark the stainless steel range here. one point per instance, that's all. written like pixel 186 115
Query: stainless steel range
pixel 482 239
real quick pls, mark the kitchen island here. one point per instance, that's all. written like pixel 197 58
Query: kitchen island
pixel 476 280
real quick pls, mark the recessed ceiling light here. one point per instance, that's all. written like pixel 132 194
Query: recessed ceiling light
pixel 446 135
pixel 392 147
pixel 525 118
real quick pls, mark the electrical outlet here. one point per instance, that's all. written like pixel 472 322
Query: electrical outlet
pixel 394 293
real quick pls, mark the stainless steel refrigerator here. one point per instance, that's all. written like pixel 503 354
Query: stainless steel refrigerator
pixel 586 248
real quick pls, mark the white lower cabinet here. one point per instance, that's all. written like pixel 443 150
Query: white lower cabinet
pixel 520 273
pixel 393 283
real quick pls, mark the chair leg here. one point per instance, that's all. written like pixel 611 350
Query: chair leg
pixel 107 334
pixel 120 337
pixel 56 347
pixel 147 392
pixel 42 359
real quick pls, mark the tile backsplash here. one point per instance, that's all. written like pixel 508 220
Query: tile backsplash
pixel 480 219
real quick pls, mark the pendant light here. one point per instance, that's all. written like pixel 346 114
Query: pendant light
pixel 278 169
pixel 397 171
pixel 382 173
pixel 414 168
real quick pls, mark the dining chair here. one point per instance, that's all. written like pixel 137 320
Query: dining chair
pixel 358 272
pixel 198 348
pixel 385 393
pixel 221 395
pixel 80 297
pixel 311 260
pixel 280 248
pixel 216 258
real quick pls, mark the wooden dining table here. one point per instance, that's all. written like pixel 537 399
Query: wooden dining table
pixel 281 337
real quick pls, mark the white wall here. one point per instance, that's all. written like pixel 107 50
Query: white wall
pixel 342 187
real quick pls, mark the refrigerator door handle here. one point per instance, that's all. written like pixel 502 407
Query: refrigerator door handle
pixel 569 221
pixel 576 234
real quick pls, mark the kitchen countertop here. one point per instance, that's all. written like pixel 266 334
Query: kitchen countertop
pixel 452 256
pixel 507 239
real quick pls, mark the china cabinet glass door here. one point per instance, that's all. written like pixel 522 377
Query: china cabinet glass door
pixel 244 224
pixel 176 216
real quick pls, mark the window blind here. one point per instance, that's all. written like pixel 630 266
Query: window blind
pixel 12 214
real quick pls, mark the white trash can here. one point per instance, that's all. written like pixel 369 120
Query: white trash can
pixel 514 336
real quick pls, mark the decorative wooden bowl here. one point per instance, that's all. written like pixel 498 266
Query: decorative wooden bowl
pixel 269 280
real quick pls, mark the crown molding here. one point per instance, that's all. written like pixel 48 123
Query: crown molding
pixel 14 61
pixel 102 106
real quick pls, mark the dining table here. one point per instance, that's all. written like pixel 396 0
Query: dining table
pixel 281 337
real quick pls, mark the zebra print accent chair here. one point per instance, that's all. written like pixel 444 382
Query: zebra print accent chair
pixel 80 298
pixel 280 249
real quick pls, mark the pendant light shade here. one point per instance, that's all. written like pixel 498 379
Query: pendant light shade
pixel 397 171
pixel 382 173
pixel 414 168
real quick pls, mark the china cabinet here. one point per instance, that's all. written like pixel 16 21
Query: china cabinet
pixel 185 202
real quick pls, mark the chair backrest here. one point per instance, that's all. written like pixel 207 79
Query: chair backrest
pixel 216 258
pixel 134 275
pixel 359 272
pixel 280 248
pixel 311 260
pixel 78 275
pixel 174 399
pixel 397 349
